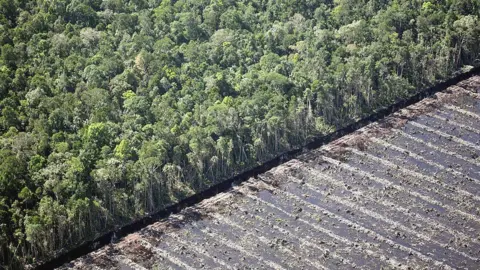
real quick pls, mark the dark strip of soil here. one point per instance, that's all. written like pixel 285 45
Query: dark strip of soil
pixel 105 239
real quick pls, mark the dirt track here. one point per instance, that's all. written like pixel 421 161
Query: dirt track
pixel 402 193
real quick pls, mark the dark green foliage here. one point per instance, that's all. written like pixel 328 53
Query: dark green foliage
pixel 111 110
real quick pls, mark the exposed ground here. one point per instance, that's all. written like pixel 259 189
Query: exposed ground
pixel 400 193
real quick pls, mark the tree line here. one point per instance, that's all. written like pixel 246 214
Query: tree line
pixel 111 110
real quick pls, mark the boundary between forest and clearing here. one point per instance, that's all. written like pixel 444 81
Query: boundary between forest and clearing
pixel 105 239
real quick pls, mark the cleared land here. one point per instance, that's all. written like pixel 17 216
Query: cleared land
pixel 403 192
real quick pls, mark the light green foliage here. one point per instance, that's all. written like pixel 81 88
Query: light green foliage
pixel 97 134
pixel 128 95
pixel 110 110
pixel 123 150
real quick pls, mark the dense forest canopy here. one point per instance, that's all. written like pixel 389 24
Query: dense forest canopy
pixel 111 110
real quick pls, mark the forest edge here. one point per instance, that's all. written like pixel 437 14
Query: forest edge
pixel 105 239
